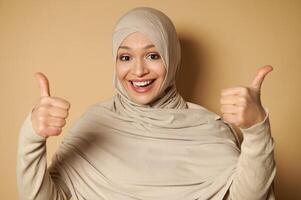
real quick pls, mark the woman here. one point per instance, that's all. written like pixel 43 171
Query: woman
pixel 146 142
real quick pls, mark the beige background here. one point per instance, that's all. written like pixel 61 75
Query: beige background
pixel 224 42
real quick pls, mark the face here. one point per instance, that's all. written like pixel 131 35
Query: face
pixel 140 68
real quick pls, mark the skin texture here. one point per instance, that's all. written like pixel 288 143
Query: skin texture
pixel 241 106
pixel 135 62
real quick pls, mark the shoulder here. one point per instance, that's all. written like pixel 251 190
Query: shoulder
pixel 225 130
pixel 92 114
pixel 107 104
pixel 203 109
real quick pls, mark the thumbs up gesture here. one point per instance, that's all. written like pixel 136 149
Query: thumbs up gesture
pixel 242 106
pixel 50 113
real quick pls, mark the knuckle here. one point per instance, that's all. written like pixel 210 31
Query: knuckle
pixel 61 122
pixel 61 112
pixel 63 102
pixel 42 110
pixel 66 114
pixel 243 100
pixel 244 91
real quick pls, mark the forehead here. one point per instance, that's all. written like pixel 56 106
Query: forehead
pixel 136 40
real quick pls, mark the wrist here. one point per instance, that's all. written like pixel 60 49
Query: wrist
pixel 260 117
pixel 259 123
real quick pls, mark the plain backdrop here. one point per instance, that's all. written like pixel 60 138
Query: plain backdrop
pixel 223 44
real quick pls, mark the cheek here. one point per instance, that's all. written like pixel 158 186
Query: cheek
pixel 157 68
pixel 121 71
pixel 163 73
pixel 160 71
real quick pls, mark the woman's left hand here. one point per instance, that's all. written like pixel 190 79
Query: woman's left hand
pixel 242 106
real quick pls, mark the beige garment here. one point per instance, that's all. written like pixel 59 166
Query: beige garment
pixel 169 149
pixel 92 164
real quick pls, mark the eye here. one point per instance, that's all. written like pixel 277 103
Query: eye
pixel 153 56
pixel 124 58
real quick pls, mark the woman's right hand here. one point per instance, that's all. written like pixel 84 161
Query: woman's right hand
pixel 49 115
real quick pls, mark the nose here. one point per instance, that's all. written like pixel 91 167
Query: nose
pixel 139 68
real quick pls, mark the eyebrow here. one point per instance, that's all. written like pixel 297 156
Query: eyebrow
pixel 146 47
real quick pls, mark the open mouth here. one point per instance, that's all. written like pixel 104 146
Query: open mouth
pixel 142 86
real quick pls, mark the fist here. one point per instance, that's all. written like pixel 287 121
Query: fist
pixel 49 115
pixel 242 106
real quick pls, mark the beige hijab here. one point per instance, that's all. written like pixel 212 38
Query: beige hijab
pixel 170 149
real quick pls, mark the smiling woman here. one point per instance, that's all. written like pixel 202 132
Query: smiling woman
pixel 147 142
pixel 140 68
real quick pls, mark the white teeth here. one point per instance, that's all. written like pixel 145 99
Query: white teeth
pixel 141 83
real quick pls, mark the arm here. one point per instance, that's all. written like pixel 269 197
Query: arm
pixel 256 166
pixel 34 179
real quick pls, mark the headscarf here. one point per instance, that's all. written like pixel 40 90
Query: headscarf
pixel 170 149
pixel 161 31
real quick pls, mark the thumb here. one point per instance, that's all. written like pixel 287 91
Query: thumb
pixel 44 84
pixel 258 80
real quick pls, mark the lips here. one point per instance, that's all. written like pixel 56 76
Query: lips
pixel 142 86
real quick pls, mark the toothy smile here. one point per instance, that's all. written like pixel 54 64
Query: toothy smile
pixel 144 83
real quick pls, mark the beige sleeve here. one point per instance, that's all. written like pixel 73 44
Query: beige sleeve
pixel 256 166
pixel 33 178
